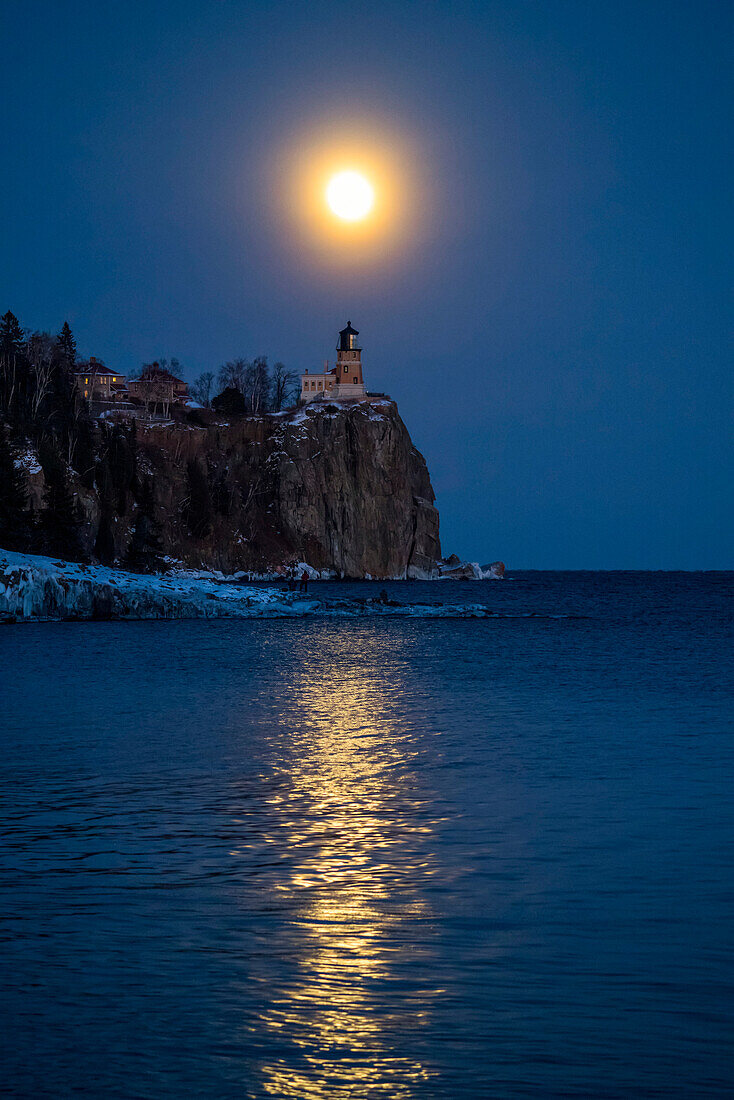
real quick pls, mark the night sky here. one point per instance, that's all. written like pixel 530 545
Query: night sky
pixel 549 312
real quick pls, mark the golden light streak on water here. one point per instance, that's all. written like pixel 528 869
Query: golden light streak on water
pixel 357 906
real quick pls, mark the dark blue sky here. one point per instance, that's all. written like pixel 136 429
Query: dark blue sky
pixel 555 338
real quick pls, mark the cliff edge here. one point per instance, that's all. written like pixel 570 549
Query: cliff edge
pixel 340 486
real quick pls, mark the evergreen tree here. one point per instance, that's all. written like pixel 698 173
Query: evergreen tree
pixel 15 519
pixel 84 449
pixel 229 402
pixel 123 453
pixel 11 335
pixel 145 553
pixel 60 524
pixel 14 374
pixel 66 347
pixel 198 510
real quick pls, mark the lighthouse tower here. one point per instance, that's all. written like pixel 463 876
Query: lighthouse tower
pixel 348 358
pixel 344 382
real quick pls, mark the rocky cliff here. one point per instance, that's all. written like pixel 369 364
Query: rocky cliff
pixel 339 486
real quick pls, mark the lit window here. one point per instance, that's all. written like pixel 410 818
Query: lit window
pixel 114 379
pixel 86 381
pixel 86 393
pixel 355 381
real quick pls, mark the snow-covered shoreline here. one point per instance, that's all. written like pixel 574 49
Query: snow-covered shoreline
pixel 42 589
pixel 36 588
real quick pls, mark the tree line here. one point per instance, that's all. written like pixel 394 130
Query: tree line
pixel 42 411
pixel 247 387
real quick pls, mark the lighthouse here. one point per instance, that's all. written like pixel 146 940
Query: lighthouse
pixel 344 382
pixel 349 359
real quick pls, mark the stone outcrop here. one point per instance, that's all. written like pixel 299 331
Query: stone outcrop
pixel 339 486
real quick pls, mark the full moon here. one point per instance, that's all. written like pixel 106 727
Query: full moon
pixel 350 196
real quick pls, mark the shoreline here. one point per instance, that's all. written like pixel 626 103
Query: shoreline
pixel 34 588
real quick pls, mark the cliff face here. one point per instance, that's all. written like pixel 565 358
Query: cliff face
pixel 341 487
pixel 350 489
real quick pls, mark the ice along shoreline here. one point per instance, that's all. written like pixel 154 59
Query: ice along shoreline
pixel 37 589
pixel 34 588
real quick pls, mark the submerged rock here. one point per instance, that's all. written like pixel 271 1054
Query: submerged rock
pixel 456 570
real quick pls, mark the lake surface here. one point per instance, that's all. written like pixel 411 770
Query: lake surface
pixel 368 857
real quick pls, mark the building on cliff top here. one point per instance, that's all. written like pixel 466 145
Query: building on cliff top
pixel 344 382
pixel 96 382
pixel 158 389
pixel 155 390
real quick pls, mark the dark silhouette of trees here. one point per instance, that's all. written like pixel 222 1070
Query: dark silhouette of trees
pixel 198 508
pixel 14 372
pixel 14 515
pixel 11 335
pixel 260 390
pixel 201 389
pixel 66 347
pixel 121 445
pixel 43 408
pixel 60 523
pixel 232 375
pixel 68 416
pixel 145 553
pixel 38 395
pixel 257 386
pixel 282 387
pixel 229 403
pixel 104 546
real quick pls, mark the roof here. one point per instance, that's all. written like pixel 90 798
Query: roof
pixel 347 338
pixel 97 368
pixel 154 373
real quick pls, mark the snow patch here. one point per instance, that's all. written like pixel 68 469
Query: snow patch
pixel 27 460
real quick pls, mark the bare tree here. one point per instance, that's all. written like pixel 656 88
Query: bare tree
pixel 257 385
pixel 282 384
pixel 172 365
pixel 201 389
pixel 154 387
pixel 39 351
pixel 232 375
pixel 155 392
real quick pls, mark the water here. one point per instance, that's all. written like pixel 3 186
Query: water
pixel 375 857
